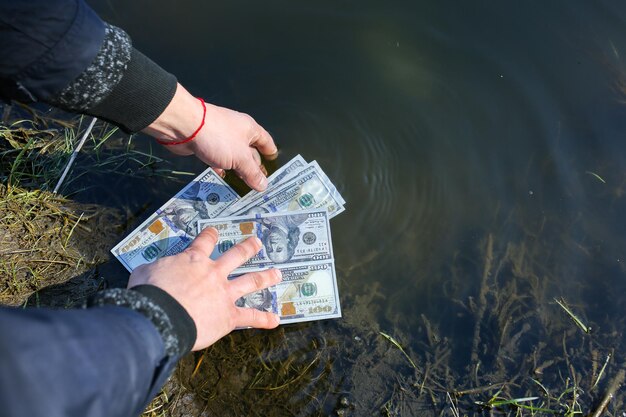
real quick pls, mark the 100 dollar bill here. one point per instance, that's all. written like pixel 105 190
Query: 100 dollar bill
pixel 307 292
pixel 288 238
pixel 277 179
pixel 309 189
pixel 172 228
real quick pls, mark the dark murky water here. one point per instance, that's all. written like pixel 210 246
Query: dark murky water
pixel 442 123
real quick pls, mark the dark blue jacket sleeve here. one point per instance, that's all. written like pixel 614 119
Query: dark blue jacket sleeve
pixel 61 53
pixel 104 361
pixel 44 45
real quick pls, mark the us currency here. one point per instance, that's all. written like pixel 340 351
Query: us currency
pixel 288 238
pixel 310 188
pixel 282 174
pixel 172 228
pixel 307 292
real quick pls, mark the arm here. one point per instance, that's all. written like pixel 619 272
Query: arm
pixel 112 358
pixel 60 52
pixel 100 362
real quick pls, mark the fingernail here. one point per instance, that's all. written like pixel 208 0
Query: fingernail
pixel 257 241
pixel 278 274
pixel 277 319
pixel 263 169
pixel 211 230
pixel 263 182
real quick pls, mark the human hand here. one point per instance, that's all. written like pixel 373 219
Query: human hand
pixel 201 286
pixel 228 140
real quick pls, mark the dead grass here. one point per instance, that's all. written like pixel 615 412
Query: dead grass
pixel 44 241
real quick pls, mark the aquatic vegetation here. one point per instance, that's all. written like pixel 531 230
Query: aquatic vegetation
pixel 523 357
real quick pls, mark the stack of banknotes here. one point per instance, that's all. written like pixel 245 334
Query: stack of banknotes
pixel 291 217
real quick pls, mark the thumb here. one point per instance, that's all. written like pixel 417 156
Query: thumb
pixel 251 173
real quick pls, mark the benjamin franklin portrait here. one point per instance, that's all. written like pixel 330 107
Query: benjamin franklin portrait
pixel 190 207
pixel 261 300
pixel 280 236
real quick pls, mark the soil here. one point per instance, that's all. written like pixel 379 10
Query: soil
pixel 339 367
pixel 50 247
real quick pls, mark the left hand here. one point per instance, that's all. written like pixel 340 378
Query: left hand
pixel 201 286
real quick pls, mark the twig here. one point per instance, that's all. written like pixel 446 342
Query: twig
pixel 51 261
pixel 74 154
pixel 453 407
pixel 606 362
pixel 573 316
pixel 12 252
pixel 195 371
pixel 72 230
pixel 610 393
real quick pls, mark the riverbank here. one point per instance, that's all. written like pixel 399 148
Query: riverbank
pixel 46 239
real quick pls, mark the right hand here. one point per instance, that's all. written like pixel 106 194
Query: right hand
pixel 201 286
pixel 228 140
pixel 233 140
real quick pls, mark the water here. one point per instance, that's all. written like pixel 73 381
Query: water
pixel 442 123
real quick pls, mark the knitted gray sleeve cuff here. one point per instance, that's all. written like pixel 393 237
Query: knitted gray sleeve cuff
pixel 101 76
pixel 121 85
pixel 171 320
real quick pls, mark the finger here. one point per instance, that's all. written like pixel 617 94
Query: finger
pixel 256 156
pixel 251 317
pixel 220 172
pixel 254 281
pixel 205 242
pixel 264 143
pixel 239 254
pixel 251 173
pixel 257 159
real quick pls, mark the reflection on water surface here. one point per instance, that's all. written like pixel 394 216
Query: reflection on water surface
pixel 480 149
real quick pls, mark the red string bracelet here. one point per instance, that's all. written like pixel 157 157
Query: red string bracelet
pixel 193 136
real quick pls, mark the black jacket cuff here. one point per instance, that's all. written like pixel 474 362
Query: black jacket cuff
pixel 140 97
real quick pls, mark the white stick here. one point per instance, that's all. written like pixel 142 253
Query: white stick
pixel 73 157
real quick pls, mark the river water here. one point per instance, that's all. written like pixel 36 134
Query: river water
pixel 480 148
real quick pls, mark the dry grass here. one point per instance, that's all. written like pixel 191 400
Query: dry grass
pixel 43 241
